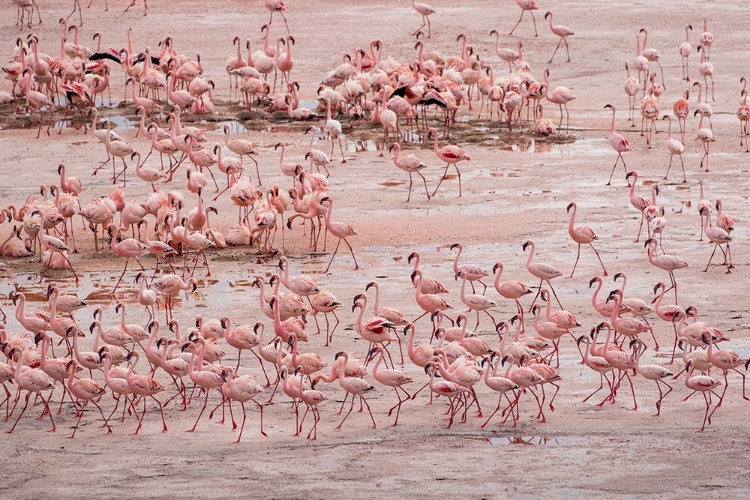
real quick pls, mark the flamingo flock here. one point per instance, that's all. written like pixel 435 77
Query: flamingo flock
pixel 133 367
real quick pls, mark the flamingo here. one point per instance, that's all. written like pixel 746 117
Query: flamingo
pixel 685 50
pixel 705 385
pixel 543 271
pixel 707 38
pixel 743 114
pixel 706 69
pixel 409 164
pixel 561 31
pixel 525 5
pixel 668 263
pixel 656 373
pixel 560 96
pixel 640 203
pixel 277 6
pixel 340 230
pixel 632 86
pixel 596 363
pixel 705 135
pixel 451 155
pixel 242 389
pixel 30 380
pixel 618 143
pixel 512 290
pixel 355 387
pixel 675 147
pixel 425 11
pixel 582 235
pixel 718 237
pixel 392 378
pixel 652 55
pixel 87 390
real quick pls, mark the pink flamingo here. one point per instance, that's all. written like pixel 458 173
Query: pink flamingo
pixel 703 384
pixel 641 203
pixel 724 360
pixel 685 50
pixel 543 271
pixel 596 363
pixel 277 6
pixel 512 290
pixel 428 302
pixel 674 147
pixel 87 390
pixel 583 236
pixel 450 154
pixel 525 5
pixel 312 398
pixel 471 272
pixel 340 230
pixel 561 31
pixel 30 380
pixel 718 237
pixel 242 389
pixel 409 164
pixel 392 378
pixel 560 96
pixel 669 263
pixel 656 373
pixel 618 143
pixel 355 387
pixel 129 248
pixel 425 11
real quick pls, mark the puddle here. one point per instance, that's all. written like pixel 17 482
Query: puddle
pixel 313 105
pixel 235 127
pixel 362 146
pixel 530 441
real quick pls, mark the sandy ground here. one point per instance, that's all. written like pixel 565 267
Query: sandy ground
pixel 512 192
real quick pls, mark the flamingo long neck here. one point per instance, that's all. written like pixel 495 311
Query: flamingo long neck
pixel 376 306
pixel 687 35
pixel 609 330
pixel 250 61
pixel 342 371
pixel 411 348
pixel 360 316
pixel 53 305
pixel 637 45
pixel 612 126
pixel 455 261
pixel 531 256
pixel 464 54
pixel 645 39
pixel 669 129
pixel 498 274
pixel 587 352
pixel 21 309
pixel 613 314
pixel 595 297
pixel 418 287
pixel 572 222
pixel 377 364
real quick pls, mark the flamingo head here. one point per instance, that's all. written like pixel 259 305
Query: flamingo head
pixel 526 244
pixel 572 204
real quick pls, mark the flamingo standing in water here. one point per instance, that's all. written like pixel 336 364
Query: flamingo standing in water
pixel 618 143
pixel 582 235
pixel 451 155
pixel 560 96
